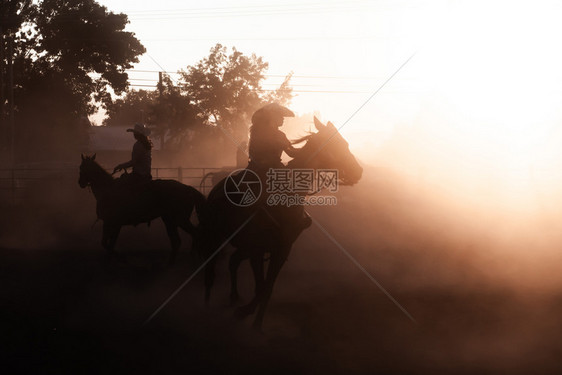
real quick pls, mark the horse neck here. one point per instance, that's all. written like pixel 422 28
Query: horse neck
pixel 303 159
pixel 101 182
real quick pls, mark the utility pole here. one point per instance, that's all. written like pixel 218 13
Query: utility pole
pixel 11 98
pixel 9 24
pixel 162 129
pixel 3 127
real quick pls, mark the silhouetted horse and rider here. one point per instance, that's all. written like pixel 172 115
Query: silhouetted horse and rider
pixel 253 230
pixel 135 198
pixel 259 229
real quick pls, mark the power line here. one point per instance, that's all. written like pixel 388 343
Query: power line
pixel 251 11
pixel 277 38
pixel 299 38
pixel 272 75
pixel 294 91
pixel 142 79
pixel 272 84
pixel 250 7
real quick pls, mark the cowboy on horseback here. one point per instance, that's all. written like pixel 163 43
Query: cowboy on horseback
pixel 257 230
pixel 267 142
pixel 141 159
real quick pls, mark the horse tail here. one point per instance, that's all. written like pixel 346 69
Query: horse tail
pixel 209 277
pixel 200 202
pixel 199 231
pixel 205 178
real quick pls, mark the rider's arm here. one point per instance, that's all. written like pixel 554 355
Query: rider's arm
pixel 292 151
pixel 287 145
pixel 128 164
pixel 136 157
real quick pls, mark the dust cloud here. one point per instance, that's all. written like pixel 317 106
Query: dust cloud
pixel 479 276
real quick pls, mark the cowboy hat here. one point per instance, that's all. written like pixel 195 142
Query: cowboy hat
pixel 269 110
pixel 141 129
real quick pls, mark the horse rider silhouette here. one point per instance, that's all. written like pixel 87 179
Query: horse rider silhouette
pixel 267 144
pixel 257 230
pixel 141 158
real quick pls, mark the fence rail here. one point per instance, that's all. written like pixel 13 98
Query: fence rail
pixel 14 182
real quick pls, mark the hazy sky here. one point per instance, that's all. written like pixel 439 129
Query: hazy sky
pixel 485 84
pixel 339 51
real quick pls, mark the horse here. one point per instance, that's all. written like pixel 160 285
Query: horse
pixel 216 177
pixel 120 204
pixel 259 229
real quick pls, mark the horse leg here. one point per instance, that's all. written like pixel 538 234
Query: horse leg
pixel 256 261
pixel 109 237
pixel 186 224
pixel 235 260
pixel 209 279
pixel 105 237
pixel 175 241
pixel 277 260
pixel 208 249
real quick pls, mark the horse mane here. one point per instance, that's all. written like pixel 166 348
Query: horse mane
pixel 304 151
pixel 302 139
pixel 98 169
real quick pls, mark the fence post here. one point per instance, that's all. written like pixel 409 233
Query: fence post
pixel 204 186
pixel 13 186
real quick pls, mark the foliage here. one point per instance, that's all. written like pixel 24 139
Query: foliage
pixel 174 112
pixel 167 111
pixel 135 106
pixel 226 89
pixel 67 55
pixel 213 100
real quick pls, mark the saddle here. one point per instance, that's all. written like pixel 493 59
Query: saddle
pixel 291 220
pixel 129 200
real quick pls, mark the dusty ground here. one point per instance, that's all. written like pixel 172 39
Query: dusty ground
pixel 70 311
pixel 66 309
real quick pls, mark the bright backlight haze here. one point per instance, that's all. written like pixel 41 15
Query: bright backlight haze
pixel 476 110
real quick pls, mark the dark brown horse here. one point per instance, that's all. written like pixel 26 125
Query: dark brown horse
pixel 261 228
pixel 119 204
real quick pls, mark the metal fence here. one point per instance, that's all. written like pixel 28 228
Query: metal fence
pixel 15 182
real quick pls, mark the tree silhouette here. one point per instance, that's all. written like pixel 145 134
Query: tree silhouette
pixel 175 114
pixel 68 56
pixel 167 111
pixel 213 100
pixel 226 89
pixel 135 106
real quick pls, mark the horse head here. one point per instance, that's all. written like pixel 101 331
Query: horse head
pixel 327 149
pixel 87 168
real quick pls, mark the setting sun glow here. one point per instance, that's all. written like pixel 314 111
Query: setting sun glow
pixel 493 72
pixel 475 110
